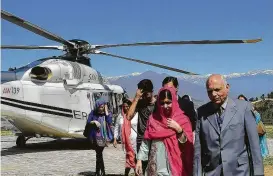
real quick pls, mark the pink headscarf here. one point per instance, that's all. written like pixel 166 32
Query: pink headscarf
pixel 126 132
pixel 180 157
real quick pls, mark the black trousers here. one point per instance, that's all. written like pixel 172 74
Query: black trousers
pixel 99 160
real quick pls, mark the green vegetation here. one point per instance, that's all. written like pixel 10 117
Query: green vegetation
pixel 270 95
pixel 265 108
pixel 6 133
pixel 269 131
pixel 268 161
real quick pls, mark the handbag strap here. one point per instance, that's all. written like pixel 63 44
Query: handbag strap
pixel 134 129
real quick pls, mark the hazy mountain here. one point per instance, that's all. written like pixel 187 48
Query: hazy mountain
pixel 129 83
pixel 251 84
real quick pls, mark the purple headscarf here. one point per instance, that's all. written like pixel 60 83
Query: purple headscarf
pixel 99 102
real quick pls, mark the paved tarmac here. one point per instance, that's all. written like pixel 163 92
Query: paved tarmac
pixel 46 156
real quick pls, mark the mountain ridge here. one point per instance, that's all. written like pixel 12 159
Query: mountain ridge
pixel 251 84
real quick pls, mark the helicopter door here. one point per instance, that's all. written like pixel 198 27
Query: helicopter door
pixel 81 109
pixel 60 112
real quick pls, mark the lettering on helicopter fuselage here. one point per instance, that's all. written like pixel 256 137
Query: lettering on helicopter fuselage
pixel 92 77
pixel 79 115
pixel 11 90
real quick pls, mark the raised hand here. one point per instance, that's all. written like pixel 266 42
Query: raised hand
pixel 139 93
pixel 173 125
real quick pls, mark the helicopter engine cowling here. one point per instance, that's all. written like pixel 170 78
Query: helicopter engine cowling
pixel 47 73
pixel 40 73
pixel 56 71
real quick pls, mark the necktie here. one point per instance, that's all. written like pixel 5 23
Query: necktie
pixel 219 118
pixel 220 111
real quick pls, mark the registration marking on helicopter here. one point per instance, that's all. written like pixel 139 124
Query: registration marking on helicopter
pixel 92 77
pixel 11 90
pixel 80 115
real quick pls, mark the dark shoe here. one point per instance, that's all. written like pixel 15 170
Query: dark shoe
pixel 102 169
pixel 100 173
pixel 97 169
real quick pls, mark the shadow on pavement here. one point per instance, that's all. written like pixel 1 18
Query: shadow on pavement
pixel 63 144
pixel 90 173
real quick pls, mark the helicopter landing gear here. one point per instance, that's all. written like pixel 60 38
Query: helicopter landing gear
pixel 21 141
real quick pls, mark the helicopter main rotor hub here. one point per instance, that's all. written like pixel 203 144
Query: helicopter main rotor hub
pixel 81 47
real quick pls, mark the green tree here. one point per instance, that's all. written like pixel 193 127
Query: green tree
pixel 262 97
pixel 271 95
pixel 256 99
pixel 251 99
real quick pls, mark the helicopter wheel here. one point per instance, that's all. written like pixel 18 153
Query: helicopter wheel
pixel 21 141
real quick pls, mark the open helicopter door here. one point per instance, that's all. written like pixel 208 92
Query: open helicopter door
pixel 82 109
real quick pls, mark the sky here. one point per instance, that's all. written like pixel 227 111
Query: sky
pixel 123 21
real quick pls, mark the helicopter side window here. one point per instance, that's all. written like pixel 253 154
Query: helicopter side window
pixel 115 110
pixel 118 103
pixel 110 102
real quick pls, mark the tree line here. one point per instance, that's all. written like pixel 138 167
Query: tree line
pixel 265 107
pixel 262 97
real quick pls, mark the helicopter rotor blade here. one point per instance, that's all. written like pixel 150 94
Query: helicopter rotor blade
pixel 33 28
pixel 32 47
pixel 179 43
pixel 145 62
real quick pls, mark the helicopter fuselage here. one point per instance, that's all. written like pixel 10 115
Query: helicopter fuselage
pixel 56 101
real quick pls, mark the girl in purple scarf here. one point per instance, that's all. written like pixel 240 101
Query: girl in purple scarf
pixel 100 132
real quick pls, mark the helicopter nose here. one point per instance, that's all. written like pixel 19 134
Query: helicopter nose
pixel 40 73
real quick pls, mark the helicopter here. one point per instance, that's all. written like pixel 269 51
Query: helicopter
pixel 52 97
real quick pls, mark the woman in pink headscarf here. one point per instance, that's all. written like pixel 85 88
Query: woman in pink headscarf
pixel 127 130
pixel 168 139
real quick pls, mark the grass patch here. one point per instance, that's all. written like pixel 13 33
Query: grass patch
pixel 6 133
pixel 268 160
pixel 269 131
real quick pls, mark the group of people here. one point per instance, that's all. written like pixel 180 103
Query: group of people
pixel 164 135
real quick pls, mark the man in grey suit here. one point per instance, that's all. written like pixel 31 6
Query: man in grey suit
pixel 226 139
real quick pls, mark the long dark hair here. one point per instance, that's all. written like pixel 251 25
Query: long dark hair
pixel 165 94
pixel 128 102
pixel 170 79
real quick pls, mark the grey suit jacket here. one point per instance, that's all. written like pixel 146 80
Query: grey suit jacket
pixel 227 149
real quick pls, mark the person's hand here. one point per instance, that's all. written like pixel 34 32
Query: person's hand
pixel 106 109
pixel 173 125
pixel 139 168
pixel 96 123
pixel 115 143
pixel 139 94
